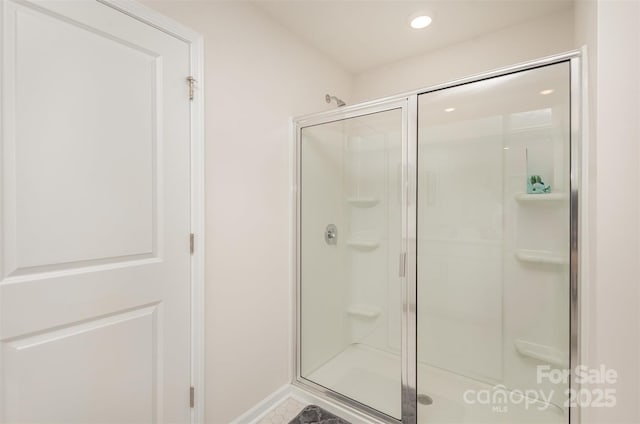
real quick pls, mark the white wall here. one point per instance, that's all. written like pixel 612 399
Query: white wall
pixel 519 43
pixel 586 35
pixel 257 76
pixel 610 30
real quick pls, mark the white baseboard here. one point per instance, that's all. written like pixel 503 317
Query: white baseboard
pixel 265 406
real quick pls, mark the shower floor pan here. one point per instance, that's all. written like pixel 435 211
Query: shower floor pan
pixel 370 376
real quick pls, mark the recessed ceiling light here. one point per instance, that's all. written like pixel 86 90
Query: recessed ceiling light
pixel 450 109
pixel 545 92
pixel 420 22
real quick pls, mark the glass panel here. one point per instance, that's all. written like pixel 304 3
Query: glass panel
pixel 351 234
pixel 493 249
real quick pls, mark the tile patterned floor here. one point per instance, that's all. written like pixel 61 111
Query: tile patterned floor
pixel 283 413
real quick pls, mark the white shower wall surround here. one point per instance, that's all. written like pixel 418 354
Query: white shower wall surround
pixel 493 270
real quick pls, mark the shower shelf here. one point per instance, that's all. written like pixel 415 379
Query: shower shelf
pixel 361 244
pixel 363 202
pixel 363 311
pixel 547 197
pixel 542 353
pixel 541 257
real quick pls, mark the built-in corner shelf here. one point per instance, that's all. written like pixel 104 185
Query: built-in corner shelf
pixel 543 353
pixel 541 257
pixel 363 244
pixel 543 197
pixel 364 311
pixel 363 202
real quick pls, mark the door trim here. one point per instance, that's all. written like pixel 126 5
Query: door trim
pixel 197 203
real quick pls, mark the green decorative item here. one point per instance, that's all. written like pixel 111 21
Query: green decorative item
pixel 535 185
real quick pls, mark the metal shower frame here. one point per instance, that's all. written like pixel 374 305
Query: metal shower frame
pixel 408 103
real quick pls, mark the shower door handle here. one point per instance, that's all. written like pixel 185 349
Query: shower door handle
pixel 402 269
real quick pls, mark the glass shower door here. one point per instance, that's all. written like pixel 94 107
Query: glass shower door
pixel 350 230
pixel 493 249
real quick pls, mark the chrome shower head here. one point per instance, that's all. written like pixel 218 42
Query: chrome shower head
pixel 339 102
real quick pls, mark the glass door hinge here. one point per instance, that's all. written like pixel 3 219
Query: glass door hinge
pixel 192 243
pixel 402 268
pixel 192 396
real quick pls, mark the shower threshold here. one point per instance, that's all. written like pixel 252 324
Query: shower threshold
pixel 370 376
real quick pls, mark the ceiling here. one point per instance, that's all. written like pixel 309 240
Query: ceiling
pixel 364 34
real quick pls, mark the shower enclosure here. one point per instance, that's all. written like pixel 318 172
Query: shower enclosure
pixel 436 250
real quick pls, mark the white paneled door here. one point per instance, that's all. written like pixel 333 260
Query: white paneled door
pixel 95 217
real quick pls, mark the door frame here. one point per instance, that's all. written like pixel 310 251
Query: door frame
pixel 197 193
pixel 580 221
pixel 408 236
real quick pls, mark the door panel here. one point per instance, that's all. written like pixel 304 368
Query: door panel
pixel 493 254
pixel 95 264
pixel 59 370
pixel 94 212
pixel 350 290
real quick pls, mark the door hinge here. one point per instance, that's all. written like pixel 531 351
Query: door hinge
pixel 192 396
pixel 192 81
pixel 192 243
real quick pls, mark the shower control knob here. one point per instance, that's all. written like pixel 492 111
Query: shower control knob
pixel 331 234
